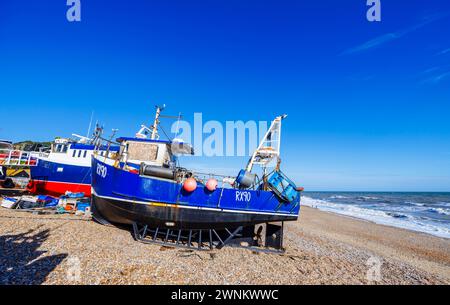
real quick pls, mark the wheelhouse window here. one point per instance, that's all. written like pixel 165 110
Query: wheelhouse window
pixel 73 154
pixel 60 148
pixel 85 154
pixel 79 153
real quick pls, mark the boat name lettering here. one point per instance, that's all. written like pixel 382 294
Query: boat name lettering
pixel 243 196
pixel 101 170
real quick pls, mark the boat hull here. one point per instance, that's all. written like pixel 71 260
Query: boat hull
pixel 124 197
pixel 57 188
pixel 55 179
pixel 176 217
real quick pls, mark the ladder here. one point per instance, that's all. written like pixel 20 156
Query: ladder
pixel 269 148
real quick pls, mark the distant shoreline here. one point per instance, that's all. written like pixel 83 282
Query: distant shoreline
pixel 356 218
pixel 422 250
pixel 419 212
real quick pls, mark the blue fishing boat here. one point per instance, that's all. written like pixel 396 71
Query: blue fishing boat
pixel 143 186
pixel 66 166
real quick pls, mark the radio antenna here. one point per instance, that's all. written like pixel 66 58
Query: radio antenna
pixel 90 125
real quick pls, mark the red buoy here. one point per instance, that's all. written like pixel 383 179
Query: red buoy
pixel 30 185
pixel 190 185
pixel 211 185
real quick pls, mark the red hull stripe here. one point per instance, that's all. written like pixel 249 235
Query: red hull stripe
pixel 60 188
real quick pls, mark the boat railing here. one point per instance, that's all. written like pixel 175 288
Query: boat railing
pixel 99 141
pixel 9 157
pixel 225 181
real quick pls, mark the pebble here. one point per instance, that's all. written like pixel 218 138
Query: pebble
pixel 66 249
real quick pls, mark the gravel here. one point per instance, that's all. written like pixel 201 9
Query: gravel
pixel 66 249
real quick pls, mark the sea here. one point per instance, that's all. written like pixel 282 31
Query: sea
pixel 422 212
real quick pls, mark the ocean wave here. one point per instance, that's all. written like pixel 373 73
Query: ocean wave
pixel 364 198
pixel 389 218
pixel 441 211
pixel 401 208
pixel 338 197
pixel 419 204
pixel 397 215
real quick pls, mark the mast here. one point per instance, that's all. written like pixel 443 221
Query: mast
pixel 90 125
pixel 156 122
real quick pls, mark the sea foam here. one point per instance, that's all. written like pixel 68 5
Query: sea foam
pixel 389 218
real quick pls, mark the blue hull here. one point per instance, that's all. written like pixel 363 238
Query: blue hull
pixel 55 178
pixel 124 197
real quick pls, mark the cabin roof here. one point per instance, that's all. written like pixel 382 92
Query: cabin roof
pixel 92 147
pixel 124 139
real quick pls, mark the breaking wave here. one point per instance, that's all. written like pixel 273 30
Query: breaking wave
pixel 338 197
pixel 440 211
pixel 407 216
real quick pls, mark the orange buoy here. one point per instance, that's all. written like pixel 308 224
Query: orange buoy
pixel 190 185
pixel 300 189
pixel 211 185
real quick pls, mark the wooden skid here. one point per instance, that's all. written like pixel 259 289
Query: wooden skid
pixel 209 239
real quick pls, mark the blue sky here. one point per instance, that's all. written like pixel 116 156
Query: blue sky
pixel 368 103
